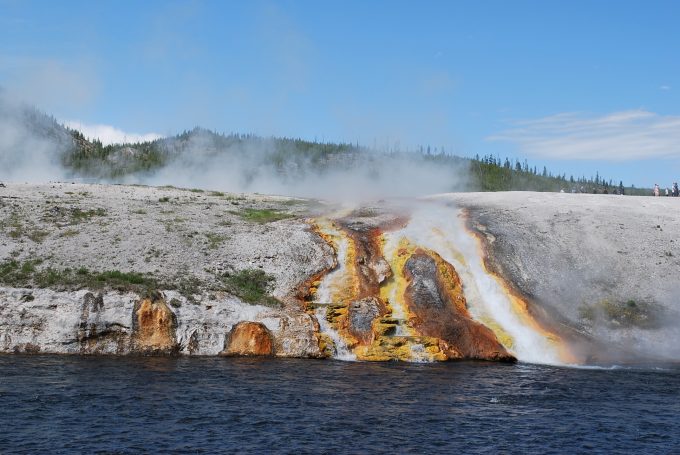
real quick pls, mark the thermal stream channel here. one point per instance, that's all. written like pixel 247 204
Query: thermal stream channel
pixel 334 288
pixel 441 228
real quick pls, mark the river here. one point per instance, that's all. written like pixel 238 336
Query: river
pixel 63 404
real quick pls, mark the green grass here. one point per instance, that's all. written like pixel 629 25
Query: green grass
pixel 16 230
pixel 12 225
pixel 78 215
pixel 17 274
pixel 263 215
pixel 233 197
pixel 214 240
pixel 173 224
pixel 118 277
pixel 14 273
pixel 365 212
pixel 623 314
pixel 251 286
pixel 37 235
pixel 293 202
pixel 69 233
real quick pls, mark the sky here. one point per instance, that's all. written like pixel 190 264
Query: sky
pixel 578 86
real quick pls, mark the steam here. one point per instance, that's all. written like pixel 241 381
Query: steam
pixel 32 147
pixel 439 227
pixel 272 167
pixel 30 144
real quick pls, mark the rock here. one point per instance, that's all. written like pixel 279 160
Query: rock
pixel 83 322
pixel 153 325
pixel 561 254
pixel 295 336
pixel 361 316
pixel 435 296
pixel 564 252
pixel 407 348
pixel 382 269
pixel 249 339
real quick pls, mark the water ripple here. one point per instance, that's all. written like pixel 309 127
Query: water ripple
pixel 205 405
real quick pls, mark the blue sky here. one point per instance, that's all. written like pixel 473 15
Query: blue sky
pixel 579 86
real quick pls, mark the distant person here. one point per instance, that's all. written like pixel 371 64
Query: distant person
pixel 605 191
pixel 656 189
pixel 676 191
pixel 668 192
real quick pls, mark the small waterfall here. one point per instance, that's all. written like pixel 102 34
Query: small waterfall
pixel 438 227
pixel 441 228
pixel 393 292
pixel 396 250
pixel 341 351
pixel 335 287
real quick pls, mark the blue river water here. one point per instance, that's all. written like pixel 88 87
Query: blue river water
pixel 63 404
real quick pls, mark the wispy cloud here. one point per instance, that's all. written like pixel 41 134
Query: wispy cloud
pixel 619 136
pixel 665 87
pixel 108 134
pixel 50 84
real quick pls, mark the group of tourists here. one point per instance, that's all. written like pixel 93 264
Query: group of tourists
pixel 597 190
pixel 674 191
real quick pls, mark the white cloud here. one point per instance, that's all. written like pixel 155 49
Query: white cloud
pixel 108 134
pixel 619 136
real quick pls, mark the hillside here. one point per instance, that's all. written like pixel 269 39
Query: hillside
pixel 35 143
pixel 115 269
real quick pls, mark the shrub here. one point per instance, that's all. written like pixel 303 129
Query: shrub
pixel 263 215
pixel 626 314
pixel 78 215
pixel 214 240
pixel 251 286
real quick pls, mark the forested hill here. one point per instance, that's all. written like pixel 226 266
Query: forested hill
pixel 285 157
pixel 291 156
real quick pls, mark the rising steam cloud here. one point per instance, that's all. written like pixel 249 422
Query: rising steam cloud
pixel 30 144
pixel 265 166
pixel 32 147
